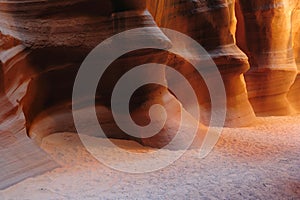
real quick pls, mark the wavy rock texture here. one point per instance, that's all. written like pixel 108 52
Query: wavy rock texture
pixel 59 35
pixel 20 157
pixel 44 42
pixel 55 23
pixel 265 35
pixel 294 93
pixel 212 24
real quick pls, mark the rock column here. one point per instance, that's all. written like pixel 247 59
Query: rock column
pixel 265 34
pixel 212 24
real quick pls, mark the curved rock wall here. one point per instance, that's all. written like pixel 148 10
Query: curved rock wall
pixel 267 40
pixel 58 35
pixel 20 156
pixel 294 92
pixel 212 24
pixel 52 38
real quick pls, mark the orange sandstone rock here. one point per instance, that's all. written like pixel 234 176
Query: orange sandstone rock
pixel 59 35
pixel 212 24
pixel 265 36
pixel 294 93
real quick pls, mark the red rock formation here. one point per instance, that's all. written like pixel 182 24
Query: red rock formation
pixel 294 94
pixel 20 156
pixel 212 24
pixel 55 23
pixel 59 35
pixel 265 35
pixel 45 42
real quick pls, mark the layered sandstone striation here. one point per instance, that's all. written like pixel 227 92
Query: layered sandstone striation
pixel 58 36
pixel 294 92
pixel 212 24
pixel 44 42
pixel 55 23
pixel 264 34
pixel 54 37
pixel 20 156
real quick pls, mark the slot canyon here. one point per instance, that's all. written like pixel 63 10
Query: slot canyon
pixel 231 121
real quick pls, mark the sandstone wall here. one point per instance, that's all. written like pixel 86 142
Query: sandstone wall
pixel 254 44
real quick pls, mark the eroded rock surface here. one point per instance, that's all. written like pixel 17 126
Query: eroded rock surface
pixel 212 24
pixel 44 42
pixel 59 35
pixel 294 92
pixel 265 35
pixel 20 157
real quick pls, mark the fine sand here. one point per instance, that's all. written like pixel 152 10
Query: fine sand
pixel 258 162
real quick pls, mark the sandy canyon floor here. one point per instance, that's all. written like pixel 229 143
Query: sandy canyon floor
pixel 258 162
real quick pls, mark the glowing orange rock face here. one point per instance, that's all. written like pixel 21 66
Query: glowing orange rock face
pixel 57 44
pixel 294 94
pixel 265 36
pixel 56 36
pixel 212 24
pixel 43 43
